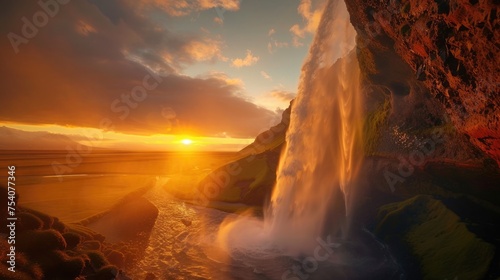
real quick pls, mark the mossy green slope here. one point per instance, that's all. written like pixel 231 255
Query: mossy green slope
pixel 372 126
pixel 248 180
pixel 436 237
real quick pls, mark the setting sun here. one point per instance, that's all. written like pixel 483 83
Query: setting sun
pixel 187 142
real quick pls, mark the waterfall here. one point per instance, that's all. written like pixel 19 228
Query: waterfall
pixel 315 178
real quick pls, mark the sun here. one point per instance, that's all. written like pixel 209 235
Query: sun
pixel 187 142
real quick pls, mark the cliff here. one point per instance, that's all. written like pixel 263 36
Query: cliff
pixel 452 46
pixel 430 77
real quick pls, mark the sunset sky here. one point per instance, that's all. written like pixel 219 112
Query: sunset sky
pixel 153 72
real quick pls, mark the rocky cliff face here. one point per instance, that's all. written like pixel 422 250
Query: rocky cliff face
pixel 452 46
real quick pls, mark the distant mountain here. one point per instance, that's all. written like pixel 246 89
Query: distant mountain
pixel 15 139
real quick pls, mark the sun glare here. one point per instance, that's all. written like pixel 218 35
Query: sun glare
pixel 186 142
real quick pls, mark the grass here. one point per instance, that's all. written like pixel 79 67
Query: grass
pixel 436 237
pixel 250 182
pixel 372 126
pixel 366 61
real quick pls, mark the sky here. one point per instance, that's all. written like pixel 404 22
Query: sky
pixel 144 71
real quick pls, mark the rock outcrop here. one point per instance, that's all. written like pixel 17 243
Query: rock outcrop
pixel 452 46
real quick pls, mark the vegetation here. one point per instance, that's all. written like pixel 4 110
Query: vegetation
pixel 436 237
pixel 246 180
pixel 373 123
pixel 366 60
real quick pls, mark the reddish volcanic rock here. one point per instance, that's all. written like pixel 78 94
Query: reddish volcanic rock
pixel 453 47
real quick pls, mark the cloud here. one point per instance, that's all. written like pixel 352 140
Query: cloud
pixel 275 44
pixel 311 14
pixel 72 78
pixel 248 60
pixel 224 77
pixel 271 32
pixel 218 20
pixel 84 28
pixel 204 50
pixel 134 28
pixel 183 7
pixel 266 76
pixel 282 95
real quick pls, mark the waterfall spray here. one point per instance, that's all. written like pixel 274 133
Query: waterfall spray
pixel 323 150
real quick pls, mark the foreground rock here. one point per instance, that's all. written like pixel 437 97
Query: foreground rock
pixel 49 249
pixel 46 248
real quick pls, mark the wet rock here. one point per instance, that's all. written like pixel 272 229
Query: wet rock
pixel 456 38
pixel 186 222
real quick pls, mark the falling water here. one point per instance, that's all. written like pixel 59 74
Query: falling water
pixel 314 185
pixel 323 142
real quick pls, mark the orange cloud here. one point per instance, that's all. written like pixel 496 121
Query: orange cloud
pixel 248 60
pixel 218 20
pixel 225 78
pixel 282 95
pixel 63 78
pixel 204 50
pixel 184 7
pixel 311 13
pixel 84 28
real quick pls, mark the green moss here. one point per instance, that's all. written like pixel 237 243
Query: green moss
pixel 436 237
pixel 366 61
pixel 373 123
pixel 247 180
